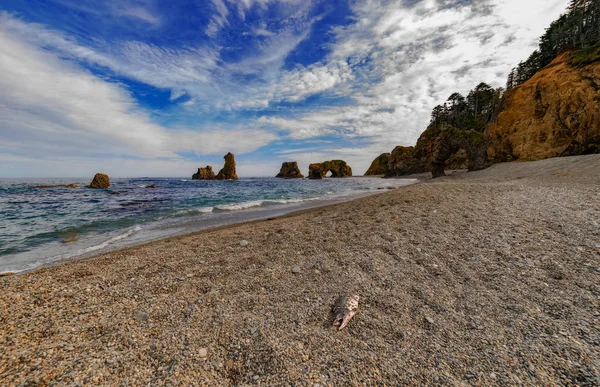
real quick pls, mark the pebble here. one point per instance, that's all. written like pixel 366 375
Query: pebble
pixel 203 352
pixel 296 270
pixel 141 316
pixel 429 320
pixel 317 272
pixel 244 243
pixel 493 376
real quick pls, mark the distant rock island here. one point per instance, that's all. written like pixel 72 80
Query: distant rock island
pixel 228 171
pixel 100 181
pixel 204 174
pixel 553 113
pixel 338 168
pixel 290 170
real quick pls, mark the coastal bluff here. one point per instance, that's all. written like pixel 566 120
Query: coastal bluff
pixel 290 170
pixel 555 113
pixel 228 172
pixel 338 168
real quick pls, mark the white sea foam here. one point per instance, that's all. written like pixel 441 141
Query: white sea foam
pixel 106 243
pixel 205 210
pixel 239 206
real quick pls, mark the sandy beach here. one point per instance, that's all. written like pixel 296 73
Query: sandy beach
pixel 483 278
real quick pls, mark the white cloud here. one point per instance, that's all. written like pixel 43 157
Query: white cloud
pixel 51 107
pixel 139 13
pixel 402 61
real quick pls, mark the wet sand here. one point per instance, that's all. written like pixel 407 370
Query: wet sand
pixel 485 278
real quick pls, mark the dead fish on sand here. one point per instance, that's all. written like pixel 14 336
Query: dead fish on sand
pixel 343 310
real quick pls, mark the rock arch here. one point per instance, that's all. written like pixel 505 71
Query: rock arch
pixel 451 141
pixel 338 168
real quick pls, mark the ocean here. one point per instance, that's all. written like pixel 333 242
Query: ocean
pixel 40 226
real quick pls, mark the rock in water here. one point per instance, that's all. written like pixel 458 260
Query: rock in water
pixel 204 174
pixel 100 181
pixel 290 170
pixel 228 172
pixel 338 168
pixel 343 310
pixel 379 166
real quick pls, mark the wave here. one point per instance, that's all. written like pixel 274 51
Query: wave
pixel 114 239
pixel 239 206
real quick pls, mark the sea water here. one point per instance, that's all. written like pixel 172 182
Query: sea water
pixel 39 226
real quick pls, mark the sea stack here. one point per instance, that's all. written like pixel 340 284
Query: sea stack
pixel 204 174
pixel 338 168
pixel 100 181
pixel 228 172
pixel 290 170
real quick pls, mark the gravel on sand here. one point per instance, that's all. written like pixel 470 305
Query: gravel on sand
pixel 484 278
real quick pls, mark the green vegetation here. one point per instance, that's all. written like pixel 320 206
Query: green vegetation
pixel 586 56
pixel 577 29
pixel 471 113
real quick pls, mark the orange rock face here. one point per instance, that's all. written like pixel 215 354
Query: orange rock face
pixel 555 113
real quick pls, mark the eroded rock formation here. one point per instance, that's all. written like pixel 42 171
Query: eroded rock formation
pixel 555 113
pixel 100 181
pixel 204 174
pixel 451 141
pixel 290 170
pixel 379 166
pixel 228 171
pixel 338 168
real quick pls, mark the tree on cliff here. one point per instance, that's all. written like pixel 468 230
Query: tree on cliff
pixel 471 113
pixel 578 28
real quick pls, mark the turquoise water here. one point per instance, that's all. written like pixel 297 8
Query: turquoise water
pixel 41 225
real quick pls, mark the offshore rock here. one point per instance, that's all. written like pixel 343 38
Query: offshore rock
pixel 290 170
pixel 100 181
pixel 379 166
pixel 338 168
pixel 204 174
pixel 228 172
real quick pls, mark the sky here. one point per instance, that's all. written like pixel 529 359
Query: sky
pixel 159 88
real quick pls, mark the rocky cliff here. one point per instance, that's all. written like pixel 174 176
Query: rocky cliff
pixel 555 113
pixel 338 168
pixel 228 171
pixel 379 166
pixel 290 170
pixel 204 174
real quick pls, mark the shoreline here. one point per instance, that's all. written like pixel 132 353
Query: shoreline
pixel 198 224
pixel 488 278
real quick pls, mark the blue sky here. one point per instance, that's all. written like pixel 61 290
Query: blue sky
pixel 156 88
